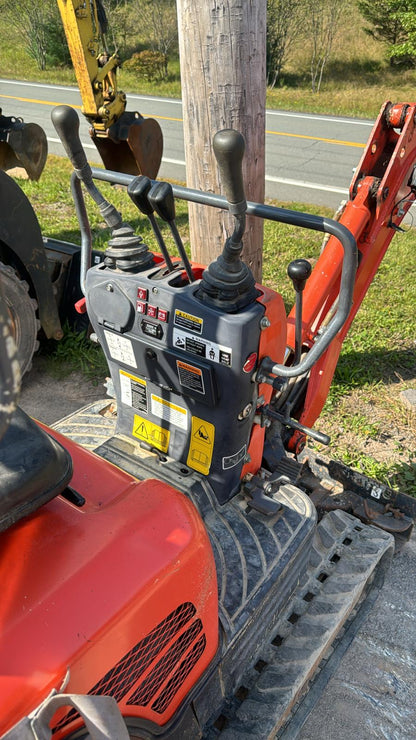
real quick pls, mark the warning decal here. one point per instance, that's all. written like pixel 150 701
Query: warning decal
pixel 190 376
pixel 201 445
pixel 151 433
pixel 187 321
pixel 133 391
pixel 171 412
pixel 202 347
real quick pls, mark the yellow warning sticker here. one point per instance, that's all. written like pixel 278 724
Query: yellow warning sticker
pixel 151 433
pixel 188 321
pixel 201 445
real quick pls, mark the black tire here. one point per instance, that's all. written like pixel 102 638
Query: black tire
pixel 22 312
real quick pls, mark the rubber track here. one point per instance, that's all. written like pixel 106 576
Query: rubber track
pixel 345 558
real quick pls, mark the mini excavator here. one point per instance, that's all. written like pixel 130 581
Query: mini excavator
pixel 175 562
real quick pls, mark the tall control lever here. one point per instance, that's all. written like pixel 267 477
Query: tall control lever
pixel 66 123
pixel 138 191
pixel 126 250
pixel 299 271
pixel 162 201
pixel 229 149
pixel 228 283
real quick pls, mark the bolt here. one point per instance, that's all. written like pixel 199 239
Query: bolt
pixel 247 458
pixel 246 411
pixel 109 288
pixel 264 323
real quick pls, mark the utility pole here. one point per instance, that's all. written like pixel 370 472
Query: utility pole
pixel 222 46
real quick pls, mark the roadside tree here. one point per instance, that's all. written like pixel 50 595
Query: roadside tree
pixel 283 27
pixel 321 20
pixel 405 50
pixel 388 20
pixel 39 26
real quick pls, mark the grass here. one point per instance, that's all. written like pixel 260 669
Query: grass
pixel 370 426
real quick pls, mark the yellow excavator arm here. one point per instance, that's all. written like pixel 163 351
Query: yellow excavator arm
pixel 127 142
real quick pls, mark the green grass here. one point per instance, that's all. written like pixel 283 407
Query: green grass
pixel 364 414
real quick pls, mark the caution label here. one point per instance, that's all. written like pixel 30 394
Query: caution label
pixel 190 376
pixel 201 445
pixel 171 412
pixel 187 321
pixel 151 433
pixel 133 391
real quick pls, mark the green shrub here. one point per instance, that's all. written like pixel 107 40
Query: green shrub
pixel 152 65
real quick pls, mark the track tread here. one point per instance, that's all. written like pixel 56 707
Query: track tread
pixel 318 622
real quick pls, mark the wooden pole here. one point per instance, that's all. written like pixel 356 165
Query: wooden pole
pixel 222 46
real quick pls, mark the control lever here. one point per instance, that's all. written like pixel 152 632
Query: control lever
pixel 126 250
pixel 229 149
pixel 228 283
pixel 299 271
pixel 161 199
pixel 138 191
pixel 66 123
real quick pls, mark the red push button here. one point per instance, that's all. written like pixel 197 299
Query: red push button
pixel 142 294
pixel 163 315
pixel 152 311
pixel 140 306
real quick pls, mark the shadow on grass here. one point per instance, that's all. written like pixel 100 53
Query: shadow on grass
pixel 359 368
pixel 364 71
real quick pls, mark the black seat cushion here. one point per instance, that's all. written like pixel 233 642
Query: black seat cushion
pixel 34 468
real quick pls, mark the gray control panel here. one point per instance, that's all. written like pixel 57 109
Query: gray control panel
pixel 182 370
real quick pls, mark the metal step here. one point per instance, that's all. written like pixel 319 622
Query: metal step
pixel 347 560
pixel 91 425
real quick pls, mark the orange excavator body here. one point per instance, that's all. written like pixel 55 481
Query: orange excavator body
pixel 73 606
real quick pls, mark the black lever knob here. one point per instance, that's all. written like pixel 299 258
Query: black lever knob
pixel 66 123
pixel 138 191
pixel 229 149
pixel 299 271
pixel 161 199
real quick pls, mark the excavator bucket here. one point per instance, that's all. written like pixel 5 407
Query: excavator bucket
pixel 22 145
pixel 133 145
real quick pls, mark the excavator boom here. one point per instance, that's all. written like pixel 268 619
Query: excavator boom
pixel 127 142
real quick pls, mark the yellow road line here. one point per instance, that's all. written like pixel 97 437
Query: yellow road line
pixel 317 138
pixel 33 100
pixel 179 120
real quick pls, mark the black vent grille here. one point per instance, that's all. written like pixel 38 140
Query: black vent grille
pixel 120 679
pixel 179 676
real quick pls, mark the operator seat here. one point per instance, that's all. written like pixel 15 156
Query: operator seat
pixel 34 468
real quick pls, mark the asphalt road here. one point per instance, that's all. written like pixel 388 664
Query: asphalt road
pixel 309 158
